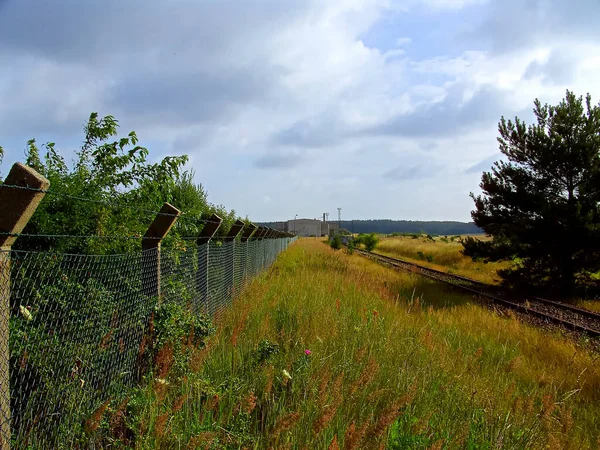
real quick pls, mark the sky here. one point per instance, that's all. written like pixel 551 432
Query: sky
pixel 385 108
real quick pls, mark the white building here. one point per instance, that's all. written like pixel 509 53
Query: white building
pixel 305 227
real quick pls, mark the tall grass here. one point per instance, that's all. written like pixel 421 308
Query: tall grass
pixel 445 255
pixel 329 350
pixel 441 255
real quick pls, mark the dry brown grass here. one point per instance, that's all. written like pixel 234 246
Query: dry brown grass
pixel 442 256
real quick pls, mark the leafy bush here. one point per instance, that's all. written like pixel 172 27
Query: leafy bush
pixel 370 241
pixel 350 247
pixel 336 242
pixel 428 258
pixel 117 175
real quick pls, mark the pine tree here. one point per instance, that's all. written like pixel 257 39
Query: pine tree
pixel 542 206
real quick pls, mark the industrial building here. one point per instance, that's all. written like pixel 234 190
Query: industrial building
pixel 305 227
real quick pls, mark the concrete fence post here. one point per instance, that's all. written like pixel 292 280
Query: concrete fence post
pixel 231 237
pixel 210 228
pixel 157 231
pixel 259 253
pixel 17 205
pixel 248 230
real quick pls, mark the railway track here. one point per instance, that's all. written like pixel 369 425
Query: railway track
pixel 568 316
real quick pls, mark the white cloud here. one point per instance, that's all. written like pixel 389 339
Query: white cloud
pixel 438 5
pixel 286 107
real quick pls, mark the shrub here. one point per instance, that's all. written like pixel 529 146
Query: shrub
pixel 370 241
pixel 336 242
pixel 350 247
pixel 177 328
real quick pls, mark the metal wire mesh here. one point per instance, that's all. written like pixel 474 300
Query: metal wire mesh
pixel 77 323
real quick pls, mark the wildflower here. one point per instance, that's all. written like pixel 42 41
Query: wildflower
pixel 307 352
pixel 25 313
pixel 286 374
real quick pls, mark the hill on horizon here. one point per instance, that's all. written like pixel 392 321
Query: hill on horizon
pixel 388 226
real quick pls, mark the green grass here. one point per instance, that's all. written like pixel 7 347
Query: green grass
pixel 395 361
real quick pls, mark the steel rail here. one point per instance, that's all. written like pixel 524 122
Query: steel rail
pixel 525 306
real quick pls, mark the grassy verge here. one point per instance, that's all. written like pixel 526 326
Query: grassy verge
pixel 328 350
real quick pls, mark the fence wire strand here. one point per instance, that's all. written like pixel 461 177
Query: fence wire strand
pixel 77 322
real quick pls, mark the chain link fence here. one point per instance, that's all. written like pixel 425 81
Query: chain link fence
pixel 77 325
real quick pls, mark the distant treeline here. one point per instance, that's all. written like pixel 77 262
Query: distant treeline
pixel 387 226
pixel 410 226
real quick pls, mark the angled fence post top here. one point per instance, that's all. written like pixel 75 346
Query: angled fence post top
pixel 248 230
pixel 160 226
pixel 18 205
pixel 259 234
pixel 210 228
pixel 234 231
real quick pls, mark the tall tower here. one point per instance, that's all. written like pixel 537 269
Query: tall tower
pixel 339 218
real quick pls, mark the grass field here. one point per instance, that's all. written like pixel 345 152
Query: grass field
pixel 333 351
pixel 446 256
pixel 437 254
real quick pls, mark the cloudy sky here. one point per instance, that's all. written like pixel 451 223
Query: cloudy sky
pixel 386 108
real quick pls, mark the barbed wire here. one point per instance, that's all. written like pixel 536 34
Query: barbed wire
pixel 180 216
pixel 78 236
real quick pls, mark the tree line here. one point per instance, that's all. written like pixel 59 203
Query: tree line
pixel 388 226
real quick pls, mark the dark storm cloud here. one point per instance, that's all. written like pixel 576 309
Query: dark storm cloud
pixel 150 63
pixel 448 116
pixel 191 97
pixel 85 31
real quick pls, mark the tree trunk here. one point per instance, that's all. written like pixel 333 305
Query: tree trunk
pixel 567 272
